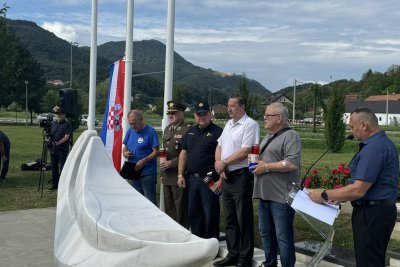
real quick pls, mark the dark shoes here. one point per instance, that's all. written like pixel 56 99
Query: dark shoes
pixel 228 261
pixel 2 180
pixel 243 264
pixel 52 188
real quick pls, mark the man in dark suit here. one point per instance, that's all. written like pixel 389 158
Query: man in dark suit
pixel 175 198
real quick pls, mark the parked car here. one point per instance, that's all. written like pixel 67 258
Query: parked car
pixel 84 120
pixel 45 118
pixel 310 121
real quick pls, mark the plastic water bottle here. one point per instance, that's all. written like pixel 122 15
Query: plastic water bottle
pixel 254 155
pixel 213 187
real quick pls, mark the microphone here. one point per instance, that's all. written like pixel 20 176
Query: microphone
pixel 349 137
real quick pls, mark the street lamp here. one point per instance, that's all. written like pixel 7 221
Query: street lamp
pixel 294 101
pixel 26 102
pixel 70 80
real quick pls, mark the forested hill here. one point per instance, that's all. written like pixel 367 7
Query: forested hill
pixel 54 55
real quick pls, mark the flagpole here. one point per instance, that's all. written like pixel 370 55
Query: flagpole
pixel 128 67
pixel 169 60
pixel 93 67
pixel 169 74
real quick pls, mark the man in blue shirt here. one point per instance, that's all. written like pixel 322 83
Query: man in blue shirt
pixel 141 147
pixel 372 192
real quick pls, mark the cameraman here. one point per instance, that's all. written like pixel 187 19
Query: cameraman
pixel 60 135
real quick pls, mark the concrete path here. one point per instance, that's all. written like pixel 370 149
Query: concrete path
pixel 26 240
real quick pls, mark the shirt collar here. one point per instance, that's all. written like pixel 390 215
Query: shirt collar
pixel 240 121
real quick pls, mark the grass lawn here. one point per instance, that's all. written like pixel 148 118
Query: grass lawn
pixel 21 188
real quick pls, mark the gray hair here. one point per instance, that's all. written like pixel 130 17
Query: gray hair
pixel 138 114
pixel 282 110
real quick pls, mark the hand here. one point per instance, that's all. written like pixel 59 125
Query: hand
pixel 219 166
pixel 181 182
pixel 162 179
pixel 259 168
pixel 218 185
pixel 315 195
pixel 223 176
pixel 139 164
pixel 165 165
pixel 127 154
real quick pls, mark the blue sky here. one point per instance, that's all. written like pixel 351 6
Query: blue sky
pixel 273 42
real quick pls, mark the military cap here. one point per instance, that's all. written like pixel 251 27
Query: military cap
pixel 175 106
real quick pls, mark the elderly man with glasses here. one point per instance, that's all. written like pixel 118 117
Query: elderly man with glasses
pixel 278 167
pixel 197 155
pixel 175 197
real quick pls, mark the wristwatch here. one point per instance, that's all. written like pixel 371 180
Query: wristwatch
pixel 324 195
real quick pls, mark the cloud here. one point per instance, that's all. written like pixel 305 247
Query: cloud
pixel 66 32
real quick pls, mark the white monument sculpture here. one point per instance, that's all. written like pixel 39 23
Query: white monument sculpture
pixel 102 221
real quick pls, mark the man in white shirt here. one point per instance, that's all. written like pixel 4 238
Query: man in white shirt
pixel 234 145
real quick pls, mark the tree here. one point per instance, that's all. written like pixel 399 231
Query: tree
pixel 334 125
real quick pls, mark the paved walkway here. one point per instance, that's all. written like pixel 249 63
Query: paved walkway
pixel 26 240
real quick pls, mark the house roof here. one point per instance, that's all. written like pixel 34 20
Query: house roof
pixel 375 106
pixel 276 97
pixel 383 97
pixel 219 109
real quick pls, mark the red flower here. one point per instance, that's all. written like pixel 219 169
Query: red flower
pixel 328 179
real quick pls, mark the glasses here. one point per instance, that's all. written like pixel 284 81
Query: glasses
pixel 201 113
pixel 270 115
pixel 171 113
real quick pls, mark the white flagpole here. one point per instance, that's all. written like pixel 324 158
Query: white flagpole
pixel 128 67
pixel 93 67
pixel 169 73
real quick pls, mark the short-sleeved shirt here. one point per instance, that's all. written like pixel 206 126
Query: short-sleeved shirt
pixel 57 132
pixel 200 145
pixel 377 163
pixel 274 185
pixel 244 133
pixel 141 144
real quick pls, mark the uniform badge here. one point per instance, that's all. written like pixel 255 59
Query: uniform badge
pixel 140 140
pixel 171 104
pixel 209 134
pixel 176 147
pixel 200 104
pixel 178 128
pixel 178 136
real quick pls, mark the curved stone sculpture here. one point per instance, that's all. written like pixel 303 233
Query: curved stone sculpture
pixel 102 221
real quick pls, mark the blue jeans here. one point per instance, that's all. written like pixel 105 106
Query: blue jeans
pixel 146 185
pixel 276 230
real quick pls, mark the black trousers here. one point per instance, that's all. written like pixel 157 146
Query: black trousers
pixel 372 227
pixel 57 164
pixel 237 193
pixel 204 209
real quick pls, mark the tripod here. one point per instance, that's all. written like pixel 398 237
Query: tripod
pixel 43 161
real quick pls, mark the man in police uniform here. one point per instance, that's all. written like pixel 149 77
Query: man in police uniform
pixel 198 156
pixel 175 198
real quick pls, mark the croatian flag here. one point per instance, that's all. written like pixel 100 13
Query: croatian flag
pixel 111 131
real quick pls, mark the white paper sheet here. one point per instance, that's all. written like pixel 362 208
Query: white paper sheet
pixel 322 212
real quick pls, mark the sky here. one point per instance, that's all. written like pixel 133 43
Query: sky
pixel 272 42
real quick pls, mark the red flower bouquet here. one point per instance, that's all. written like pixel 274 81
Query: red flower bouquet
pixel 335 178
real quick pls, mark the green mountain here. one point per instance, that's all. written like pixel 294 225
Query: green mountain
pixel 54 54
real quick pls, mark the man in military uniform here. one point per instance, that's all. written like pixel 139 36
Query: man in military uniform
pixel 175 198
pixel 198 155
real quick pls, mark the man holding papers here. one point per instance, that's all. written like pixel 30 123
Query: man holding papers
pixel 372 192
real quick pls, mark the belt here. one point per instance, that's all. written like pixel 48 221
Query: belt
pixel 235 172
pixel 372 203
pixel 198 174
